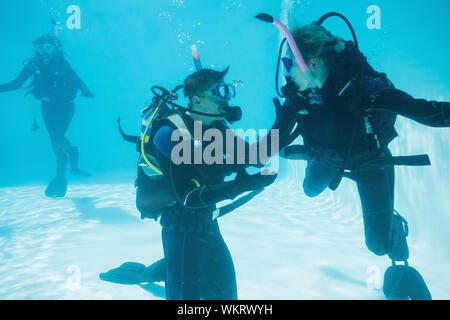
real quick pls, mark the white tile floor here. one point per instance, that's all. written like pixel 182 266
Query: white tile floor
pixel 284 246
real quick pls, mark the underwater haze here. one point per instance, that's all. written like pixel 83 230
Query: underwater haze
pixel 284 245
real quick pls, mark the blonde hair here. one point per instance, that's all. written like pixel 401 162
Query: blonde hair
pixel 313 41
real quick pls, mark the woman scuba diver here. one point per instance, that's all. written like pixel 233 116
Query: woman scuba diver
pixel 56 85
pixel 345 112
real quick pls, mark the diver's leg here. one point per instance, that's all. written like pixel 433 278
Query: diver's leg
pixel 50 116
pixel 74 162
pixel 218 277
pixel 430 113
pixel 385 233
pixel 65 118
pixel 57 119
pixel 174 255
pixel 318 177
pixel 376 191
pixel 192 271
pixel 58 186
pixel 61 158
pixel 154 272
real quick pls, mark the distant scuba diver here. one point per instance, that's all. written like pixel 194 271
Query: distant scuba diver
pixel 345 112
pixel 197 263
pixel 56 85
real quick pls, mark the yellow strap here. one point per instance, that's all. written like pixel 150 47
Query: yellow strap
pixel 195 181
pixel 143 143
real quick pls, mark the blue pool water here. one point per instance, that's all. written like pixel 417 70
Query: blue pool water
pixel 284 245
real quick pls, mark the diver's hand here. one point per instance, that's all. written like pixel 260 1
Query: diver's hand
pixel 299 103
pixel 294 100
pixel 289 90
pixel 87 94
pixel 283 114
pixel 278 110
pixel 245 182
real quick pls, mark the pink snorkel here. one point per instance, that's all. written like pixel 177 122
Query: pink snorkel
pixel 284 30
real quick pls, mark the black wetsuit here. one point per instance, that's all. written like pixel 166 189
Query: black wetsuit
pixel 330 127
pixel 56 85
pixel 198 263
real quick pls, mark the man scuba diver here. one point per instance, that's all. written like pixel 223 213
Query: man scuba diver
pixel 197 263
pixel 56 85
pixel 345 112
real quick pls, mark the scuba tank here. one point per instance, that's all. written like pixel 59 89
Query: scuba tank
pixel 153 193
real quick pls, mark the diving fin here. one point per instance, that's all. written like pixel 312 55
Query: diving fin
pixel 446 112
pixel 403 282
pixel 136 273
pixel 155 272
pixel 127 273
pixel 399 249
pixel 57 188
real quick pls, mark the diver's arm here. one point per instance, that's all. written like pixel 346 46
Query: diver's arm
pixel 26 72
pixel 240 153
pixel 280 135
pixel 186 187
pixel 192 195
pixel 288 120
pixel 430 113
pixel 85 92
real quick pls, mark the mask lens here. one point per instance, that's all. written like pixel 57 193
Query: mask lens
pixel 45 48
pixel 287 63
pixel 225 91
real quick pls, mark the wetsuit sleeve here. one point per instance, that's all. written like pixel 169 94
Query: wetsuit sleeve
pixel 182 178
pixel 374 85
pixel 238 152
pixel 26 72
pixel 258 154
pixel 85 92
pixel 384 120
pixel 163 141
pixel 430 113
pixel 288 121
pixel 185 183
pixel 243 154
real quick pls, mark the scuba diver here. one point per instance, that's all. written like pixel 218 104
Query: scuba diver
pixel 345 112
pixel 197 263
pixel 56 85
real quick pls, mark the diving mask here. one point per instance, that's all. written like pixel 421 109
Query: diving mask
pixel 45 49
pixel 225 91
